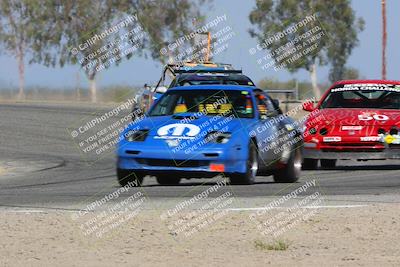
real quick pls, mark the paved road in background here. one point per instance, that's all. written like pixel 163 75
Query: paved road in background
pixel 46 168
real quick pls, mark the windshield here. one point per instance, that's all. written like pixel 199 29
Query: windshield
pixel 208 102
pixel 374 96
pixel 211 78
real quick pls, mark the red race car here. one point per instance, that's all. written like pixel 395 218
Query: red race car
pixel 357 119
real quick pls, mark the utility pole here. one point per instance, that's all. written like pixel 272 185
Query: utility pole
pixel 384 39
pixel 78 91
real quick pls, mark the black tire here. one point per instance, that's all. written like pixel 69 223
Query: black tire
pixel 328 163
pixel 310 164
pixel 290 173
pixel 168 180
pixel 130 177
pixel 249 176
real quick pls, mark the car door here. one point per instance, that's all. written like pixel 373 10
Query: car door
pixel 283 132
pixel 267 130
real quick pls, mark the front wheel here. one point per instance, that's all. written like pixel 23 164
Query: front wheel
pixel 290 173
pixel 249 176
pixel 130 177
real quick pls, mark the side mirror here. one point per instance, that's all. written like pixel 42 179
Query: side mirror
pixel 161 89
pixel 308 106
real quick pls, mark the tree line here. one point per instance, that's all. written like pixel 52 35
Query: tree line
pixel 63 32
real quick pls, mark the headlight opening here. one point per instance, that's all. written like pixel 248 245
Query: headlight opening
pixel 136 135
pixel 218 137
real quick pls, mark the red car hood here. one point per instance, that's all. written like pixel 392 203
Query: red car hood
pixel 346 116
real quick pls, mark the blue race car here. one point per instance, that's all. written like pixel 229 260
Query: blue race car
pixel 206 130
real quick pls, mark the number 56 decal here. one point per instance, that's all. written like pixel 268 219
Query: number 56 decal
pixel 367 117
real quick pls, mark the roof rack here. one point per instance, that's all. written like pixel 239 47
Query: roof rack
pixel 200 65
pixel 216 70
pixel 196 67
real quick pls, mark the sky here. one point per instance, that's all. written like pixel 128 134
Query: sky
pixel 366 57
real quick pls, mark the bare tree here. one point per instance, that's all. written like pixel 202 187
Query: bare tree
pixel 14 34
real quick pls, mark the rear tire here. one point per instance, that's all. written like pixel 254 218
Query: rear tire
pixel 328 163
pixel 130 177
pixel 310 164
pixel 168 180
pixel 291 172
pixel 249 176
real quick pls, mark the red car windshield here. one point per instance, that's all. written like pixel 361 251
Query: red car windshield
pixel 369 96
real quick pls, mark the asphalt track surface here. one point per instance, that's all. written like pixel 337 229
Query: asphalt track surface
pixel 47 168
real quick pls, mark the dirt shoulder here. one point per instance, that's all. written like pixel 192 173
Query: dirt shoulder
pixel 367 236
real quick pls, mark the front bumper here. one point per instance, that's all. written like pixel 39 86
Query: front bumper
pixel 386 153
pixel 352 147
pixel 200 162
